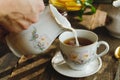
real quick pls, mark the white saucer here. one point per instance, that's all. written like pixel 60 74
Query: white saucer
pixel 61 67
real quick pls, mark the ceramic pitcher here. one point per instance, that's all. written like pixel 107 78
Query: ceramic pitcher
pixel 38 37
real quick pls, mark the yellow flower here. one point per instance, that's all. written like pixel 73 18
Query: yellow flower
pixel 70 5
pixel 75 5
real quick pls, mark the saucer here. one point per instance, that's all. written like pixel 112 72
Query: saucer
pixel 61 67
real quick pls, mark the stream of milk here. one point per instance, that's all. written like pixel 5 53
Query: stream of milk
pixel 63 22
pixel 76 37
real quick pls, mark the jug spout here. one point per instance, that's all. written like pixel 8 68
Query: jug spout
pixel 60 19
pixel 67 29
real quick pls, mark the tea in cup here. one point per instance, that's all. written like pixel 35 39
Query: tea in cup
pixel 77 57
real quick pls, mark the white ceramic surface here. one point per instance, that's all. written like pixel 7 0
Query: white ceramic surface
pixel 61 20
pixel 92 68
pixel 38 37
pixel 114 25
pixel 116 3
pixel 79 56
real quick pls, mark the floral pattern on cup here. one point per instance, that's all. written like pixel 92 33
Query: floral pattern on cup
pixel 75 58
pixel 39 41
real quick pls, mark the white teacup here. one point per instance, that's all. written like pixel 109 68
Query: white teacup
pixel 79 56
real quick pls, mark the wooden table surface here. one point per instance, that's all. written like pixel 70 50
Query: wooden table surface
pixel 39 67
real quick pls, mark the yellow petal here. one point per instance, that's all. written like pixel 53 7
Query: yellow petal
pixel 57 3
pixel 73 8
pixel 66 0
pixel 83 1
pixel 72 4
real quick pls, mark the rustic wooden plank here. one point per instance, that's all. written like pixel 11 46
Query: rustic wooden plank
pixel 7 61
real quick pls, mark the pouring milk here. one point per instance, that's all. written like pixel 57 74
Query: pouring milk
pixel 61 20
pixel 38 38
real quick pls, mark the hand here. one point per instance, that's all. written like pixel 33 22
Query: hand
pixel 17 15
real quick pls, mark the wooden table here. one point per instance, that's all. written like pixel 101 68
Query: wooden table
pixel 39 67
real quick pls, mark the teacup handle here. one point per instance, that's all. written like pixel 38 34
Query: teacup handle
pixel 103 52
pixel 106 49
